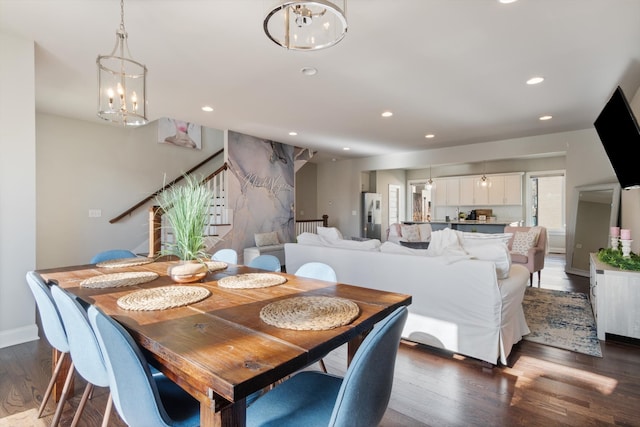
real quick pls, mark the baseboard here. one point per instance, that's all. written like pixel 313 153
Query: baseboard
pixel 18 335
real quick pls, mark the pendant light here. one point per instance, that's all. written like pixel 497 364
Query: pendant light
pixel 306 25
pixel 122 82
pixel 484 181
pixel 429 185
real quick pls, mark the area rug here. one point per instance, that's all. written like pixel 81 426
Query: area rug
pixel 561 319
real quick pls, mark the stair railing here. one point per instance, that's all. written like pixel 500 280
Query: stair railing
pixel 178 179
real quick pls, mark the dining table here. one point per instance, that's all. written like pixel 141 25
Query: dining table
pixel 222 348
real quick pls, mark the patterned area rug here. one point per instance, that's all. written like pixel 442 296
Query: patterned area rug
pixel 561 319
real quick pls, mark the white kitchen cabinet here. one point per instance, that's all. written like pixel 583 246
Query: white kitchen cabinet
pixel 505 189
pixel 615 299
pixel 513 189
pixel 447 191
pixel 467 198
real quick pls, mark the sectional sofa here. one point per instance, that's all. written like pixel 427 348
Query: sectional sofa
pixel 467 300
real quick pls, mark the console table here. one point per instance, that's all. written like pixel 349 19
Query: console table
pixel 615 299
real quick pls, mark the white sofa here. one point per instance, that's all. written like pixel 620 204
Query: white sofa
pixel 458 304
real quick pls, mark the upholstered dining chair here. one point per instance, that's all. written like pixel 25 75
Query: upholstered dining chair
pixel 266 262
pixel 140 397
pixel 227 255
pixel 55 333
pixel 317 270
pixel 84 349
pixel 525 249
pixel 320 271
pixel 112 254
pixel 312 398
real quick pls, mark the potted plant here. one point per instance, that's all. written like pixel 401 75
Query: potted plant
pixel 186 208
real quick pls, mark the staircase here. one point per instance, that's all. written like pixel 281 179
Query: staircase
pixel 220 217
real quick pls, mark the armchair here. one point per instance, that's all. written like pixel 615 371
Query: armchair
pixel 528 251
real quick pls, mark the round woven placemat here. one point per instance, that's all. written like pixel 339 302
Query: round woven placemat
pixel 124 262
pixel 251 281
pixel 310 313
pixel 216 265
pixel 115 280
pixel 163 298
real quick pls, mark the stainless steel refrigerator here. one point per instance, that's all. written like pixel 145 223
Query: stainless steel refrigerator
pixel 371 215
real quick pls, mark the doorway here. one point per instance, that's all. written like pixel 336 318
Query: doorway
pixel 545 206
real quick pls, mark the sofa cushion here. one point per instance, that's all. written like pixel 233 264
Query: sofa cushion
pixel 469 239
pixel 330 233
pixel 523 241
pixel 266 239
pixel 497 252
pixel 390 247
pixel 361 245
pixel 410 233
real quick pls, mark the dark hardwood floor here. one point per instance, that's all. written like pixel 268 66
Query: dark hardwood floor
pixel 542 386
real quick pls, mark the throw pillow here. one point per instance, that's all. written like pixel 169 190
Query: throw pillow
pixel 523 241
pixel 410 233
pixel 266 239
pixel 330 233
pixel 425 232
pixel 309 239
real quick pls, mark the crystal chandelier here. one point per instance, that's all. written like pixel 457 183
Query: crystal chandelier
pixel 122 82
pixel 306 25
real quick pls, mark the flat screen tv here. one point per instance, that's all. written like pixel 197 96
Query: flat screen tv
pixel 619 132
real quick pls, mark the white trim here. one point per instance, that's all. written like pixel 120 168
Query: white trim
pixel 18 335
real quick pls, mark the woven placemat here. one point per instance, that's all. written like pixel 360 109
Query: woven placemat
pixel 163 298
pixel 251 281
pixel 314 313
pixel 115 280
pixel 124 262
pixel 216 265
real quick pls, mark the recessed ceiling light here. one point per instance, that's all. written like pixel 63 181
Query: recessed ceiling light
pixel 507 1
pixel 207 108
pixel 387 114
pixel 547 117
pixel 293 133
pixel 309 71
pixel 346 148
pixel 535 80
pixel 429 136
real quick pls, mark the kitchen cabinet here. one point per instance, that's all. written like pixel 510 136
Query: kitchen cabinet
pixel 615 299
pixel 469 191
pixel 505 189
pixel 447 191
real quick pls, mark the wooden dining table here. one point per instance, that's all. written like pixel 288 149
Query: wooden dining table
pixel 219 349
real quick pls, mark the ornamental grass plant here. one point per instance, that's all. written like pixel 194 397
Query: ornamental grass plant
pixel 186 208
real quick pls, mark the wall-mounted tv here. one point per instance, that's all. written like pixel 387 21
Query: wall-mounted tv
pixel 619 132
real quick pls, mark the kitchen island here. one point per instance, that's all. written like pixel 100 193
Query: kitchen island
pixel 467 225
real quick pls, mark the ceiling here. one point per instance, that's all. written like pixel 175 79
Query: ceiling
pixel 453 68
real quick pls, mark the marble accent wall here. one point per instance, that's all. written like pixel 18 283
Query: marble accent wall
pixel 261 189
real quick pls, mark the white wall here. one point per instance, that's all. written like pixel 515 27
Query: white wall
pixel 17 190
pixel 586 163
pixel 84 165
pixel 630 208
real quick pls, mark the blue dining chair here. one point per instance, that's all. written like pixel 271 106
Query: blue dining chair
pixel 266 262
pixel 312 398
pixel 227 255
pixel 317 270
pixel 84 349
pixel 320 271
pixel 112 254
pixel 55 333
pixel 141 398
